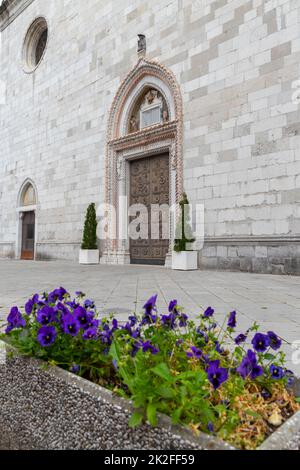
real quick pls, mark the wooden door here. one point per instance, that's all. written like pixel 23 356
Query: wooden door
pixel 28 236
pixel 150 185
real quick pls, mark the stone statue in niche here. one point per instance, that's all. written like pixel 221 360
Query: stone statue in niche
pixel 142 43
pixel 134 124
pixel 151 96
pixel 165 116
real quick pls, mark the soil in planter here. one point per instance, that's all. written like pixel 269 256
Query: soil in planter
pixel 260 415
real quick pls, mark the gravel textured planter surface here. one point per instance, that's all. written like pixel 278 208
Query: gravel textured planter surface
pixel 43 407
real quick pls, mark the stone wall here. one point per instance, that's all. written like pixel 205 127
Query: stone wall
pixel 237 63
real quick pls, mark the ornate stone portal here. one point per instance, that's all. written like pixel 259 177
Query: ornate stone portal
pixel 145 120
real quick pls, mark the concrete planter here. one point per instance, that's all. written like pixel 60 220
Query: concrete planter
pixel 89 257
pixel 185 261
pixel 43 407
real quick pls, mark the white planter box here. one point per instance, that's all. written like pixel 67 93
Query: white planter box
pixel 89 257
pixel 185 260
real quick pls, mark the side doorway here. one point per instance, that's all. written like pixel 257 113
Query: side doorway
pixel 28 236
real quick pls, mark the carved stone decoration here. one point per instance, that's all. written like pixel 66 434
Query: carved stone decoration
pixel 150 109
pixel 166 135
pixel 165 116
pixel 173 156
pixel 120 164
pixel 134 124
pixel 142 44
pixel 151 96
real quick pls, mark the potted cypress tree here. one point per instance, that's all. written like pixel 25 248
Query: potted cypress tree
pixel 89 253
pixel 184 258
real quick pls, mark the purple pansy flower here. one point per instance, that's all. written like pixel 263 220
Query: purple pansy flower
pixel 173 306
pixel 15 320
pixel 265 394
pixel 202 334
pixel 290 376
pixel 70 325
pixel 218 347
pixel 276 372
pixel 136 333
pixel 81 316
pixel 79 293
pixel 89 334
pixel 150 307
pixel 232 320
pixel 46 315
pixel 46 336
pixel 147 346
pixel 93 323
pixel 261 342
pixel 250 367
pixel 31 303
pixel 57 294
pixel 194 353
pixel 183 319
pixel 132 320
pixel 216 375
pixel 275 341
pixel 89 303
pixel 169 321
pixel 60 307
pixel 210 427
pixel 240 339
pixel 75 369
pixel 208 312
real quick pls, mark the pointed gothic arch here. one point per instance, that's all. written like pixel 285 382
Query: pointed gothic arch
pixel 123 146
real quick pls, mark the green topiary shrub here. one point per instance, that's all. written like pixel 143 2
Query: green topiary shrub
pixel 184 233
pixel 89 241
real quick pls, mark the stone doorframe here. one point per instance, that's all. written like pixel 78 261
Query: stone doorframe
pixel 21 209
pixel 121 148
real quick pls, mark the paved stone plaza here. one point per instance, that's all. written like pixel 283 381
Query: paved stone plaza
pixel 273 301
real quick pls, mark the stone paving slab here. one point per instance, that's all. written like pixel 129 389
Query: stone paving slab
pixel 273 301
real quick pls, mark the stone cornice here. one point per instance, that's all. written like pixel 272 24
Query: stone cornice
pixel 10 10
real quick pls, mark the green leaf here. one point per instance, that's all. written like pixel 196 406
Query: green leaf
pixel 151 414
pixel 269 357
pixel 165 392
pixel 114 353
pixel 253 413
pixel 297 399
pixel 136 419
pixel 163 371
pixel 176 415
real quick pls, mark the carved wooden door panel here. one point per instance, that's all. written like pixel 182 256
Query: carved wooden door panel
pixel 28 236
pixel 149 185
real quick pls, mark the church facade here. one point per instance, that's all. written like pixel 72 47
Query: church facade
pixel 137 101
